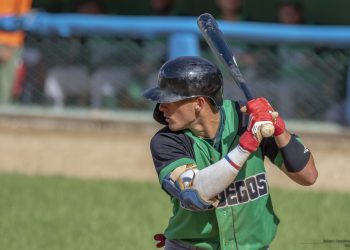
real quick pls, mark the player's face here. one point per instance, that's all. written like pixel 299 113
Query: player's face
pixel 181 114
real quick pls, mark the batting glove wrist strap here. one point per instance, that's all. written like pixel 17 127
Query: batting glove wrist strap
pixel 248 142
pixel 280 126
pixel 295 155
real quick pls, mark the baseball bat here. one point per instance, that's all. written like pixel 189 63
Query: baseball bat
pixel 215 39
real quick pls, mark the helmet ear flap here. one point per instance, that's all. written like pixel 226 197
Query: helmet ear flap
pixel 158 115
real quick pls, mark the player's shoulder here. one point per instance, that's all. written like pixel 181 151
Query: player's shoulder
pixel 234 115
pixel 165 136
pixel 231 105
pixel 165 131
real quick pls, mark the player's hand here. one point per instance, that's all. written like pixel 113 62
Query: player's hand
pixel 261 117
pixel 259 105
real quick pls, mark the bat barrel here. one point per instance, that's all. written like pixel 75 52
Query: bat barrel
pixel 215 39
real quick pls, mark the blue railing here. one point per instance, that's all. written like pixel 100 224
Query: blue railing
pixel 88 25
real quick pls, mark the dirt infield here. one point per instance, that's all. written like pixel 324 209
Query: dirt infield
pixel 124 154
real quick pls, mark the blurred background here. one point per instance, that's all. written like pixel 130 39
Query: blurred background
pixel 105 58
pixel 75 166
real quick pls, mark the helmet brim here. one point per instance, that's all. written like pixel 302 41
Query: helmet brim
pixel 159 95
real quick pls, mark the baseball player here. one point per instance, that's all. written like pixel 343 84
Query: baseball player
pixel 212 166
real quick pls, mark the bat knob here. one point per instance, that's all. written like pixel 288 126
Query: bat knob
pixel 267 130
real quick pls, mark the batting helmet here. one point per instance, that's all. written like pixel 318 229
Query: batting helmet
pixel 186 77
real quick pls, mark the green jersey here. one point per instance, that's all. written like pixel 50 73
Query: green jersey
pixel 244 218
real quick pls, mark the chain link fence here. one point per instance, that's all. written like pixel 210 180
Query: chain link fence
pixel 301 81
pixel 99 73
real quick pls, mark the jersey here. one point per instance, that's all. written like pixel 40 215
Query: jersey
pixel 244 218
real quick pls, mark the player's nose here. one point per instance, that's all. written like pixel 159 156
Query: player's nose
pixel 162 107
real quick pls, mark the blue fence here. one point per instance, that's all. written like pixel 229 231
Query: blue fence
pixel 91 25
pixel 184 37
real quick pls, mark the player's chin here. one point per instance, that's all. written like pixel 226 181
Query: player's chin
pixel 174 126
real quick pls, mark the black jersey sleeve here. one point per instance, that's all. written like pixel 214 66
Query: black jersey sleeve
pixel 168 147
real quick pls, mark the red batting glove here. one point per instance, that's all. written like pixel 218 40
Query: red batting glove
pixel 261 113
pixel 161 238
pixel 259 105
pixel 260 110
pixel 258 117
pixel 249 142
pixel 280 126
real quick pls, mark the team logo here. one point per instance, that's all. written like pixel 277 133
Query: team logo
pixel 243 191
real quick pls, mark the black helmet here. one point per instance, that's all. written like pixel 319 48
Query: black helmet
pixel 185 77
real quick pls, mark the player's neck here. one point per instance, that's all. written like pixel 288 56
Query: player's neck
pixel 207 125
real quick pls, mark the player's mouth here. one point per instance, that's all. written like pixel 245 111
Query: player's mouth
pixel 166 117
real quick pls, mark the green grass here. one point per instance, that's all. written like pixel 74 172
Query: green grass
pixel 309 219
pixel 61 213
pixel 50 213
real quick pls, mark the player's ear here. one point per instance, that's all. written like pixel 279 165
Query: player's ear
pixel 200 101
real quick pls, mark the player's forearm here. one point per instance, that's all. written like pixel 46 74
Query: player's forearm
pixel 283 139
pixel 298 164
pixel 212 180
pixel 307 176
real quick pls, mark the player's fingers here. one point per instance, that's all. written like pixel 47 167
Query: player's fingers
pixel 244 109
pixel 258 105
pixel 274 114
